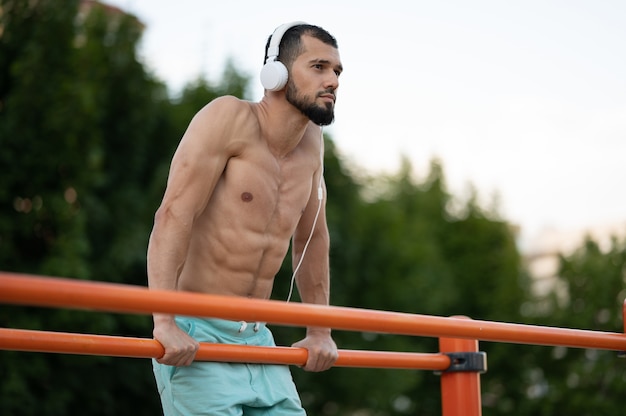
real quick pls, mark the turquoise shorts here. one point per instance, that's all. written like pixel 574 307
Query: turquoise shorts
pixel 227 389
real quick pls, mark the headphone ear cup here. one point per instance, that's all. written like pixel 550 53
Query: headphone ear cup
pixel 274 76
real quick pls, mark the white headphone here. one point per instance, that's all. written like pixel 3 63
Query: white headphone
pixel 274 74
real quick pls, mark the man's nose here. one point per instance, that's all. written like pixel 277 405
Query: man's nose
pixel 331 81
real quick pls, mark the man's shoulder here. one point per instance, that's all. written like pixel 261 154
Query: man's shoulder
pixel 227 109
pixel 228 104
pixel 230 100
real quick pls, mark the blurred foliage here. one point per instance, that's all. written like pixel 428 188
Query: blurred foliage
pixel 86 137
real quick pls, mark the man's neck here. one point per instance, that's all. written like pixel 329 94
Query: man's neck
pixel 282 124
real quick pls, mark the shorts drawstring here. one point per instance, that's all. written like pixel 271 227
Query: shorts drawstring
pixel 244 325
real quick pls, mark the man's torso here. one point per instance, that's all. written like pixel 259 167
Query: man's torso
pixel 240 239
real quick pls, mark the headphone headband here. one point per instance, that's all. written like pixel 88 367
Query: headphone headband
pixel 274 74
pixel 277 36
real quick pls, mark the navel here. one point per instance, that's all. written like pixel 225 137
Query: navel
pixel 246 197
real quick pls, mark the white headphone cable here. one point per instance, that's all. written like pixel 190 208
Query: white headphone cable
pixel 320 197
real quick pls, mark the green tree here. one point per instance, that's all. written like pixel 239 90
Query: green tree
pixel 589 295
pixel 36 119
pixel 397 245
pixel 72 192
pixel 86 146
pixel 493 285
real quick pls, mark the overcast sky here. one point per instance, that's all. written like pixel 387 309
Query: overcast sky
pixel 526 99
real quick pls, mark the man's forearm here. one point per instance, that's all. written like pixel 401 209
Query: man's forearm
pixel 167 251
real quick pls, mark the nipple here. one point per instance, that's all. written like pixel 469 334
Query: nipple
pixel 246 197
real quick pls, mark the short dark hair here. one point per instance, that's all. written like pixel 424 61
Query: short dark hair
pixel 291 44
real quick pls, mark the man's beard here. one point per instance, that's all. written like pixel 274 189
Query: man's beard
pixel 322 116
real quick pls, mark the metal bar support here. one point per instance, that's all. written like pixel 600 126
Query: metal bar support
pixel 460 384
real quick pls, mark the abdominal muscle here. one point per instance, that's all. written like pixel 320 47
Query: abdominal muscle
pixel 232 264
pixel 239 242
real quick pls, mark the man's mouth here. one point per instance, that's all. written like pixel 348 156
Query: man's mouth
pixel 329 96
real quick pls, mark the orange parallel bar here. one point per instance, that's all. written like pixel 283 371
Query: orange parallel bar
pixel 58 292
pixel 69 343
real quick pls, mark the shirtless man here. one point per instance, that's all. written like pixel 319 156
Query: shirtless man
pixel 245 180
